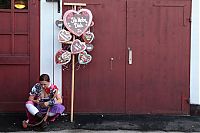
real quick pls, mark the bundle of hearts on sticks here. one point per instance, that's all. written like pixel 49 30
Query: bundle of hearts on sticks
pixel 76 37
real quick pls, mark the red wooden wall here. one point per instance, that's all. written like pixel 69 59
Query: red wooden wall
pixel 157 81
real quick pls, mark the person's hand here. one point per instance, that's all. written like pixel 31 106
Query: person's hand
pixel 38 101
pixel 46 104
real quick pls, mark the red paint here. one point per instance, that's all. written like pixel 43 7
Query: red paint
pixel 19 55
pixel 158 32
pixel 160 40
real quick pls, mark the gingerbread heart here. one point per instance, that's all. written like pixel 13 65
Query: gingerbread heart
pixel 84 58
pixel 88 37
pixel 77 46
pixel 62 57
pixel 64 36
pixel 77 22
pixel 59 23
pixel 89 47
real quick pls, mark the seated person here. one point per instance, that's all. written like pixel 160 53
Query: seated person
pixel 43 96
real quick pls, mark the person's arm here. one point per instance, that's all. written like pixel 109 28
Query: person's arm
pixel 34 92
pixel 31 98
pixel 58 99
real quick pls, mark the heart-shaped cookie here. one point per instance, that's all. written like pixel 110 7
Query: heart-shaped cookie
pixel 88 37
pixel 64 36
pixel 59 23
pixel 84 58
pixel 77 22
pixel 89 47
pixel 77 46
pixel 62 57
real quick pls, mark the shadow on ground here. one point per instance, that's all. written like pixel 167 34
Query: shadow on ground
pixel 13 123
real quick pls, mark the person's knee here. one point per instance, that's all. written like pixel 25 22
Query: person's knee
pixel 29 102
pixel 31 108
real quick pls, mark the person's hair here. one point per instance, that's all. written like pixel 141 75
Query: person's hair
pixel 44 77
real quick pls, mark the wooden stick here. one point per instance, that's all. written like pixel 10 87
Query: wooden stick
pixel 72 90
pixel 73 80
pixel 74 4
pixel 46 116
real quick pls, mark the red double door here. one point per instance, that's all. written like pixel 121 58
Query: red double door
pixel 141 59
pixel 19 53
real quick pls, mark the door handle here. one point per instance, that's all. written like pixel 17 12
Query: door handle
pixel 130 54
pixel 111 63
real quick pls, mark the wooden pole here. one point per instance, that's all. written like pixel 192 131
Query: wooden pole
pixel 72 90
pixel 73 64
pixel 73 81
pixel 74 4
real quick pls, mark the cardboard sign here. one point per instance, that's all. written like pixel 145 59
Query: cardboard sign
pixel 77 22
pixel 64 36
pixel 88 37
pixel 77 46
pixel 84 58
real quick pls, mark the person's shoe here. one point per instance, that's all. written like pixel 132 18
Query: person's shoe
pixel 24 124
pixel 39 116
pixel 53 118
pixel 44 124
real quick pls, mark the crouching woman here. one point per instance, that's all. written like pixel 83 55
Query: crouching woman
pixel 44 102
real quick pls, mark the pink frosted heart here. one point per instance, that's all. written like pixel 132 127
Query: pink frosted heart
pixel 84 58
pixel 62 57
pixel 77 47
pixel 64 36
pixel 77 22
pixel 88 37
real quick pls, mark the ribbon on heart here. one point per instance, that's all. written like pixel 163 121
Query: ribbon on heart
pixel 77 46
pixel 88 37
pixel 92 24
pixel 62 57
pixel 77 22
pixel 84 58
pixel 64 36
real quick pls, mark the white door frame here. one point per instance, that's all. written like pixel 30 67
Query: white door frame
pixel 49 44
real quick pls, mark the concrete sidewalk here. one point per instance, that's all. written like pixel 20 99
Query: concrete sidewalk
pixel 89 131
pixel 107 123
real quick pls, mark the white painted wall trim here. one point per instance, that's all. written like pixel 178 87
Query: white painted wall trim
pixel 57 68
pixel 49 44
pixel 194 65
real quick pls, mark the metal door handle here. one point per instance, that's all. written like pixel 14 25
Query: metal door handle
pixel 111 63
pixel 130 54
